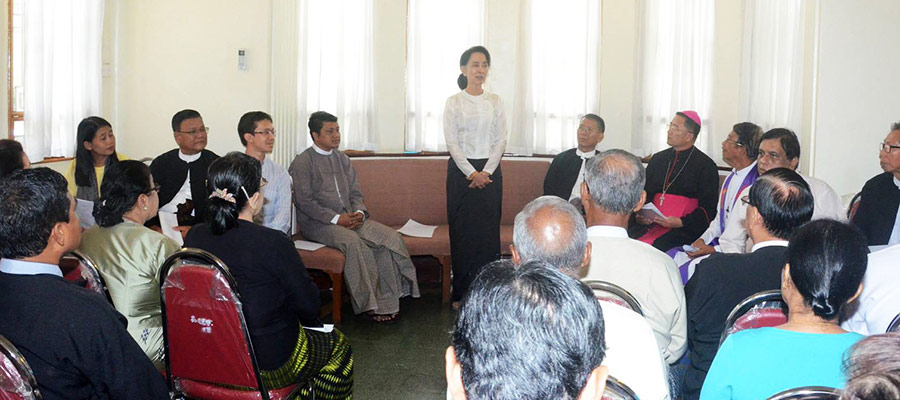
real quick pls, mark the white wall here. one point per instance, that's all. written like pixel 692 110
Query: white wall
pixel 858 88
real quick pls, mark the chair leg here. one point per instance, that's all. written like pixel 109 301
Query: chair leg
pixel 337 296
pixel 446 265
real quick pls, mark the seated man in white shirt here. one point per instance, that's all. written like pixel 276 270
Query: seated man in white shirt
pixel 879 302
pixel 780 148
pixel 612 190
pixel 551 230
pixel 528 333
pixel 739 150
pixel 181 173
pixel 257 134
pixel 566 172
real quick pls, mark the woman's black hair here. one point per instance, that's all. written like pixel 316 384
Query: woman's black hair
pixel 462 81
pixel 236 176
pixel 828 261
pixel 122 184
pixel 84 162
pixel 12 157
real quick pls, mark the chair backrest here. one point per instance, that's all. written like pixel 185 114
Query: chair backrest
pixel 854 205
pixel 763 309
pixel 616 390
pixel 16 378
pixel 894 326
pixel 808 393
pixel 81 270
pixel 204 331
pixel 610 292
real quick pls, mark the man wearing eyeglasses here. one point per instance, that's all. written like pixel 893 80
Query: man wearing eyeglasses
pixel 257 134
pixel 181 172
pixel 780 148
pixel 877 215
pixel 566 172
pixel 739 150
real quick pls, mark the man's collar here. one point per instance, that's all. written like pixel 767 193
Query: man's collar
pixel 769 243
pixel 897 182
pixel 607 231
pixel 19 267
pixel 189 158
pixel 582 154
pixel 320 151
pixel 746 170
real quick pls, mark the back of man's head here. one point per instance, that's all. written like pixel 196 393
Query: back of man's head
pixel 615 179
pixel 550 229
pixel 784 201
pixel 527 333
pixel 32 202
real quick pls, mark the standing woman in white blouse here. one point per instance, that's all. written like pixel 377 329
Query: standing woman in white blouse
pixel 475 132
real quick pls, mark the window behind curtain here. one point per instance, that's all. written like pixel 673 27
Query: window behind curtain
pixel 558 74
pixel 437 34
pixel 16 66
pixel 675 68
pixel 336 67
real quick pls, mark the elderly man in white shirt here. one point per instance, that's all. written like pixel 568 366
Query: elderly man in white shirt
pixel 780 148
pixel 879 302
pixel 612 190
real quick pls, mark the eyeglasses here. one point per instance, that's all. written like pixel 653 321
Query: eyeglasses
pixel 746 201
pixel 734 142
pixel 263 182
pixel 888 148
pixel 155 188
pixel 675 127
pixel 202 129
pixel 772 156
pixel 265 132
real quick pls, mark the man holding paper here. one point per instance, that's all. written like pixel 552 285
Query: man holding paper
pixel 330 210
pixel 683 183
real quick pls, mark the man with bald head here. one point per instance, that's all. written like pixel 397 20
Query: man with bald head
pixel 613 189
pixel 549 230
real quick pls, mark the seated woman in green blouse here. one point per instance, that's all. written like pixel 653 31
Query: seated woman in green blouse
pixel 95 151
pixel 128 254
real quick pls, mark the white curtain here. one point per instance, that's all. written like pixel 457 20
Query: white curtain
pixel 336 69
pixel 558 69
pixel 674 68
pixel 772 69
pixel 62 72
pixel 437 34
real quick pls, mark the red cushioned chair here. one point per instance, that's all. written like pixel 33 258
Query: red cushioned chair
pixel 610 292
pixel 16 378
pixel 209 354
pixel 81 270
pixel 894 326
pixel 616 390
pixel 808 393
pixel 763 309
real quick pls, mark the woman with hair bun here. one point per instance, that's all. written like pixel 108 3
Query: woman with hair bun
pixel 475 133
pixel 278 296
pixel 12 157
pixel 128 254
pixel 826 263
pixel 95 151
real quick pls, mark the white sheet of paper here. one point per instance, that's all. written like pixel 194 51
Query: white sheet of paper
pixel 168 221
pixel 85 211
pixel 327 328
pixel 308 246
pixel 652 208
pixel 415 229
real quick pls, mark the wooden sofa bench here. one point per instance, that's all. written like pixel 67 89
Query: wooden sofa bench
pixel 402 188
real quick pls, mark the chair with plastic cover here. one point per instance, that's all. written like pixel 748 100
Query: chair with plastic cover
pixel 610 292
pixel 763 309
pixel 16 378
pixel 616 390
pixel 208 350
pixel 81 270
pixel 894 326
pixel 808 393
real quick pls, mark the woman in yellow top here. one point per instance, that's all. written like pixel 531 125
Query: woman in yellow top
pixel 95 150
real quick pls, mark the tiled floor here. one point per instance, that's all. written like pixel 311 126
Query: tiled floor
pixel 404 360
